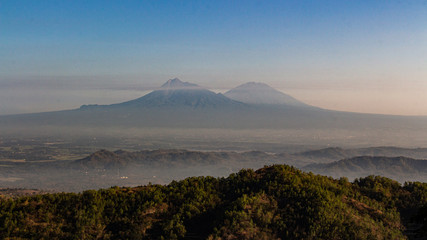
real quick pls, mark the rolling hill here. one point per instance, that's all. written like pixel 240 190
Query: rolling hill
pixel 400 168
pixel 170 158
pixel 105 168
pixel 337 153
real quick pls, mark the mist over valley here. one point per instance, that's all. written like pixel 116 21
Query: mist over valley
pixel 250 126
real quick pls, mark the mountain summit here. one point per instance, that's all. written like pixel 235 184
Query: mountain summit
pixel 175 83
pixel 261 93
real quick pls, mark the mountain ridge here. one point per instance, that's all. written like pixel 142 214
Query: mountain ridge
pixel 197 107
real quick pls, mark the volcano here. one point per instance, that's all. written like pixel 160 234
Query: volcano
pixel 175 93
pixel 261 93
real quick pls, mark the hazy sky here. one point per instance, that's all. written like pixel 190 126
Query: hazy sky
pixel 364 56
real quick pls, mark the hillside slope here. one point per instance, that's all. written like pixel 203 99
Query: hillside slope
pixel 277 202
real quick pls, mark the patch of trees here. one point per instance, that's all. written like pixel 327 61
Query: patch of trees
pixel 275 202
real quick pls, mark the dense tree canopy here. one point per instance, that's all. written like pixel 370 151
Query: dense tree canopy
pixel 276 202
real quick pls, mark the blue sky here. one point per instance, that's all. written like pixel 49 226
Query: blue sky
pixel 303 47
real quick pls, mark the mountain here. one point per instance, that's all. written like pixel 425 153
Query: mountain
pixel 399 168
pixel 178 104
pixel 175 94
pixel 275 202
pixel 261 93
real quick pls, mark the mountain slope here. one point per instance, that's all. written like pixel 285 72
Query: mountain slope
pixel 175 93
pixel 261 93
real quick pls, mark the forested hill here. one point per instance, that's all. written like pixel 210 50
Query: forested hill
pixel 277 202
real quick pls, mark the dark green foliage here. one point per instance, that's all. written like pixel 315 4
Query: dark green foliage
pixel 277 202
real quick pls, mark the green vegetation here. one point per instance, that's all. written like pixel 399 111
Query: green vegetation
pixel 277 202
